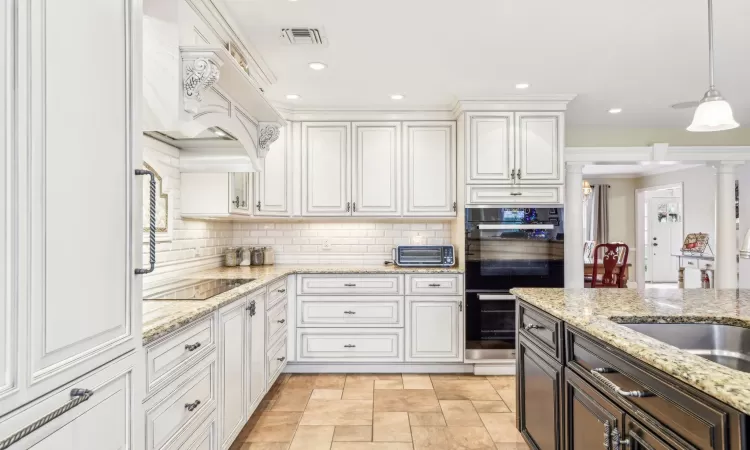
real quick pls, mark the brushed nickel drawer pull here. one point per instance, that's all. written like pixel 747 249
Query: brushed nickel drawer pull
pixel 516 193
pixel 281 321
pixel 597 373
pixel 191 406
pixel 434 285
pixel 532 326
pixel 281 291
pixel 350 285
pixel 191 347
pixel 350 312
pixel 349 346
pixel 282 359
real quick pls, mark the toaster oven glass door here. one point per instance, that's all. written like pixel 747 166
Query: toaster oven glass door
pixel 420 256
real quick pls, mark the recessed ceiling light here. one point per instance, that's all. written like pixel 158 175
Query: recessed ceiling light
pixel 317 66
pixel 615 110
pixel 397 96
pixel 522 86
pixel 292 96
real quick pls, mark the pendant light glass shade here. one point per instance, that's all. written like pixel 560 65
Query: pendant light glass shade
pixel 713 115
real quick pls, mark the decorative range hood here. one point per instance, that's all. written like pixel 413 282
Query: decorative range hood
pixel 201 100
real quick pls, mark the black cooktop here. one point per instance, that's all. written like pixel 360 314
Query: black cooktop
pixel 198 289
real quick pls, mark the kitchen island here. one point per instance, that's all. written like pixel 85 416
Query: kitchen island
pixel 585 372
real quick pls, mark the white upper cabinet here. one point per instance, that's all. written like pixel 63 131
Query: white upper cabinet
pixel 376 174
pixel 539 143
pixel 273 186
pixel 326 151
pixel 69 193
pixel 490 143
pixel 429 168
pixel 215 194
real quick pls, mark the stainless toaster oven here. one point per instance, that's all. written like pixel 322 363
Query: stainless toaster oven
pixel 424 256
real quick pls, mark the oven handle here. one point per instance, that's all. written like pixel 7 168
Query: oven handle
pixel 488 297
pixel 508 226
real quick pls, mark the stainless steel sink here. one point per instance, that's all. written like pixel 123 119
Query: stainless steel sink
pixel 724 344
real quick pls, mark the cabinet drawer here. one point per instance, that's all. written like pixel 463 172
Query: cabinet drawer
pixel 348 311
pixel 275 362
pixel 180 404
pixel 203 437
pixel 494 195
pixel 105 418
pixel 350 284
pixel 276 322
pixel 276 292
pixel 346 345
pixel 169 357
pixel 681 411
pixel 543 329
pixel 440 284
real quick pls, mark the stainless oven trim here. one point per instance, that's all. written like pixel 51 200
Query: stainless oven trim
pixel 504 226
pixel 490 297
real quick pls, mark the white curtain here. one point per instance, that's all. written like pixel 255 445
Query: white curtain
pixel 597 214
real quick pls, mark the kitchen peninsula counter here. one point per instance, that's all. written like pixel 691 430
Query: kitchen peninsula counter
pixel 161 317
pixel 599 313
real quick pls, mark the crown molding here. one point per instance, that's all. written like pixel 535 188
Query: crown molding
pixel 360 114
pixel 556 102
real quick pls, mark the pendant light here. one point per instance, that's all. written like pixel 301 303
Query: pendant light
pixel 713 112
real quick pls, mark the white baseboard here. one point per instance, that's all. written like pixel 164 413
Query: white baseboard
pixel 380 368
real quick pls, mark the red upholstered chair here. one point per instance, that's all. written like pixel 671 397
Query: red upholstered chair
pixel 606 259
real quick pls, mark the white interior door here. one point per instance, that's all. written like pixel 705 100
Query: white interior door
pixel 664 229
pixel 376 183
pixel 78 84
pixel 326 150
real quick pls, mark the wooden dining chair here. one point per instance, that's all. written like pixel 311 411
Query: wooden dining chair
pixel 607 257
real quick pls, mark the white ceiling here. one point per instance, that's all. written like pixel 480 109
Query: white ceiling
pixel 640 55
pixel 633 170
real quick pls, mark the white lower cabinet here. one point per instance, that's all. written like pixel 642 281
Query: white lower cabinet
pixel 202 438
pixel 255 369
pixel 348 345
pixel 102 422
pixel 232 366
pixel 435 328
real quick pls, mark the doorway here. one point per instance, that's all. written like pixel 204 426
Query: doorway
pixel 659 229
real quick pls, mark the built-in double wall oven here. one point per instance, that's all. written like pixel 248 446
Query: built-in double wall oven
pixel 507 248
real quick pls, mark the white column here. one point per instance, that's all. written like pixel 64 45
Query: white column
pixel 573 225
pixel 725 244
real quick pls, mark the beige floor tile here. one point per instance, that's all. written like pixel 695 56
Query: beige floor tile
pixel 359 382
pixel 417 382
pixel 326 394
pixel 390 427
pixel 502 427
pixel 312 438
pixel 490 406
pixel 389 384
pixel 460 413
pixel 509 397
pixel 451 438
pixel 346 433
pixel 338 412
pixel 464 390
pixel 407 400
pixel 358 394
pixel 265 446
pixel 330 381
pixel 426 419
pixel 301 381
pixel 511 446
pixel 292 400
pixel 275 427
pixel 456 376
pixel 371 446
pixel 502 382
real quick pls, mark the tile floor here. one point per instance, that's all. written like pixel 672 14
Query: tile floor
pixel 385 412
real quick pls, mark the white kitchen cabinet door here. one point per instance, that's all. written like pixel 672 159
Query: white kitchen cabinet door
pixel 273 187
pixel 539 148
pixel 490 155
pixel 434 328
pixel 239 197
pixel 376 174
pixel 232 370
pixel 429 168
pixel 326 155
pixel 75 199
pixel 256 350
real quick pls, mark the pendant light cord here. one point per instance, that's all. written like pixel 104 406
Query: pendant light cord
pixel 711 43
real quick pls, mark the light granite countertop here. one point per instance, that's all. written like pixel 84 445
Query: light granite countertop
pixel 161 317
pixel 598 311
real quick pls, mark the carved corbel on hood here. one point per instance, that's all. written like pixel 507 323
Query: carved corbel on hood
pixel 268 132
pixel 200 71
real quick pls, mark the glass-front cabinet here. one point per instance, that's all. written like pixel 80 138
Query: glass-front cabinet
pixel 239 189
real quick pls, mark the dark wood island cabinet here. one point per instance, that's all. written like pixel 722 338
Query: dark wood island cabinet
pixel 575 392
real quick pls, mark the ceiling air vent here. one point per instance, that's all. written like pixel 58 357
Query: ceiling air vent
pixel 304 36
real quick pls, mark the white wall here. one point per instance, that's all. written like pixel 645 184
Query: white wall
pixel 601 136
pixel 743 176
